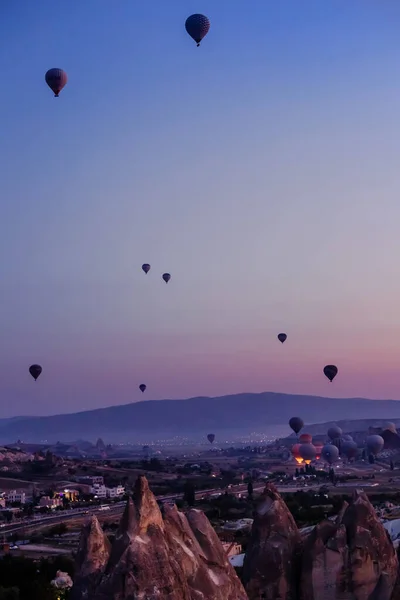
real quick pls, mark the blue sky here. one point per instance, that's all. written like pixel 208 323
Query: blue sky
pixel 260 170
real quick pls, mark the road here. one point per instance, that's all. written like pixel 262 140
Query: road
pixel 80 514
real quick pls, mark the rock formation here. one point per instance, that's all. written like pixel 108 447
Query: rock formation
pixel 92 557
pixel 351 559
pixel 271 563
pixel 173 556
pixel 156 558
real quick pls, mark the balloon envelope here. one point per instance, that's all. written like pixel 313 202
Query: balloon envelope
pixel 166 277
pixel 282 337
pixel 375 444
pixel 211 437
pixel 330 453
pixel 146 268
pixel 35 371
pixel 318 449
pixel 330 371
pixel 197 27
pixel 334 432
pixel 390 427
pixel 296 453
pixel 349 449
pixel 296 424
pixel 56 79
pixel 305 438
pixel 307 452
pixel 142 387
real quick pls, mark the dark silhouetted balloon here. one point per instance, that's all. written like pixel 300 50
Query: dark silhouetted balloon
pixel 349 449
pixel 211 437
pixel 56 79
pixel 307 452
pixel 334 432
pixel 330 453
pixel 35 371
pixel 296 453
pixel 296 424
pixel 146 268
pixel 305 438
pixel 375 444
pixel 166 277
pixel 282 337
pixel 197 27
pixel 142 387
pixel 330 371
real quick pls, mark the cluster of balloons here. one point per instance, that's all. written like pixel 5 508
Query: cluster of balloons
pixel 197 27
pixel 339 444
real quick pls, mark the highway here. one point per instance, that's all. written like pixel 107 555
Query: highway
pixel 80 514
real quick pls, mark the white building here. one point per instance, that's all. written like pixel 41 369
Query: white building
pixel 15 496
pixel 115 492
pixel 99 490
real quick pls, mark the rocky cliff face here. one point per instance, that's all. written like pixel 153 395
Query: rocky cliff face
pixel 156 558
pixel 352 559
pixel 271 564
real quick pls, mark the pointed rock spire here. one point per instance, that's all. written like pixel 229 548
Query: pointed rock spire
pixel 271 564
pixel 147 509
pixel 92 557
pixel 156 560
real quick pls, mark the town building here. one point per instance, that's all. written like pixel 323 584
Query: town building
pixel 92 480
pixel 15 496
pixel 99 490
pixel 115 492
pixel 47 502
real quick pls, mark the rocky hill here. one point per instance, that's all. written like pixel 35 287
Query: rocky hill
pixel 237 413
pixel 173 556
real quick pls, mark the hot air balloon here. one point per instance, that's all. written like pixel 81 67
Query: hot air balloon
pixel 282 337
pixel 146 268
pixel 197 27
pixel 166 277
pixel 296 454
pixel 318 450
pixel 390 427
pixel 375 444
pixel 142 387
pixel 56 79
pixel 296 424
pixel 307 452
pixel 334 432
pixel 211 437
pixel 35 371
pixel 305 438
pixel 330 371
pixel 349 449
pixel 330 453
pixel 347 438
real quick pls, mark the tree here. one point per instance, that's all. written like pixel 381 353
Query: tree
pixel 189 493
pixel 250 489
pixel 10 593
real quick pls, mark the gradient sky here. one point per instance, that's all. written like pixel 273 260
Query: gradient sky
pixel 261 170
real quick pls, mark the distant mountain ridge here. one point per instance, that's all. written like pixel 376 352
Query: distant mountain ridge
pixel 239 412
